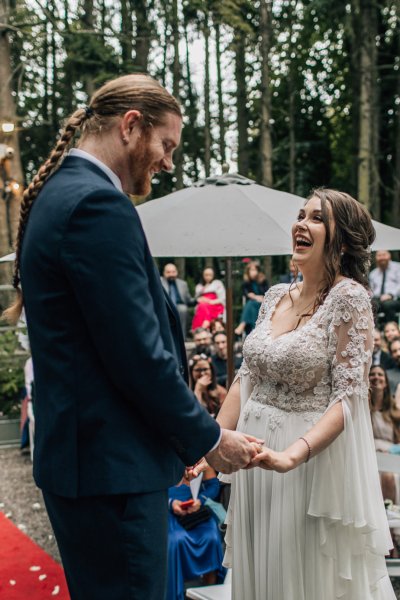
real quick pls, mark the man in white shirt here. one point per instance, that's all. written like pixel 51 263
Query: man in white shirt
pixel 384 281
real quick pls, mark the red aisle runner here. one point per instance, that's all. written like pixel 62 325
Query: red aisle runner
pixel 26 571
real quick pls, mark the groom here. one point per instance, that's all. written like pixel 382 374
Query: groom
pixel 115 421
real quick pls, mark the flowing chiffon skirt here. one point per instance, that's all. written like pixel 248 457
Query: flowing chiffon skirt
pixel 309 534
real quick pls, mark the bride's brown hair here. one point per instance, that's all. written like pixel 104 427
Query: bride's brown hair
pixel 348 250
pixel 111 101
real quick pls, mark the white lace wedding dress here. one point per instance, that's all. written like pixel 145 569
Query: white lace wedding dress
pixel 320 531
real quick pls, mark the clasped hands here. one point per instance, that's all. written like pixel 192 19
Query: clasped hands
pixel 241 451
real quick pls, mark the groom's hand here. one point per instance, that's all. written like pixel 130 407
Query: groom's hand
pixel 235 451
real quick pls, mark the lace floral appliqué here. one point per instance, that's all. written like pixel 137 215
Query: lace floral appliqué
pixel 324 361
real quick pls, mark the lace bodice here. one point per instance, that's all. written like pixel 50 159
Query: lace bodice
pixel 324 361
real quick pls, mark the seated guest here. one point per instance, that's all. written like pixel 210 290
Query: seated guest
pixel 379 356
pixel 219 359
pixel 391 331
pixel 384 414
pixel 384 282
pixel 178 291
pixel 204 384
pixel 210 296
pixel 254 287
pixel 217 325
pixel 385 427
pixel 394 373
pixel 202 342
pixel 293 275
pixel 196 552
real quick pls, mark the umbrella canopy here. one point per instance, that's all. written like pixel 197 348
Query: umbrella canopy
pixel 230 216
pixel 226 216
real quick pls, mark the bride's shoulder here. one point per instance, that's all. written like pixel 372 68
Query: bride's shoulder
pixel 351 294
pixel 276 291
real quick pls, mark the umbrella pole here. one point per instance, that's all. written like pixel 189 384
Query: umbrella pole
pixel 229 319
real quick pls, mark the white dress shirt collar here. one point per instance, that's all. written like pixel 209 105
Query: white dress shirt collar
pixel 87 156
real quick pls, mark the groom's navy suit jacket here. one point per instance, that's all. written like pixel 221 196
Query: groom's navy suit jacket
pixel 113 412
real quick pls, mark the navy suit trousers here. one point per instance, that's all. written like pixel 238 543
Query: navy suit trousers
pixel 112 547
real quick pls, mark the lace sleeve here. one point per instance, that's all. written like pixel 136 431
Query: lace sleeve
pixel 345 487
pixel 350 341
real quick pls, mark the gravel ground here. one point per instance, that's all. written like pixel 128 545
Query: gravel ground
pixel 21 500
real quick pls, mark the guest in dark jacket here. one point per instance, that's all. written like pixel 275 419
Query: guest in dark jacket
pixel 379 356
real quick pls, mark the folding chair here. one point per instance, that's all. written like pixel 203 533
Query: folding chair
pixel 212 592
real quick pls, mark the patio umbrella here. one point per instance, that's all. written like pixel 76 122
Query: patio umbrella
pixel 228 216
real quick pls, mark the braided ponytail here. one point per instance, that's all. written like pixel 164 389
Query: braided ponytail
pixel 74 123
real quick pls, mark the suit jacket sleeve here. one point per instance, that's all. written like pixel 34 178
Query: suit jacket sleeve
pixel 104 254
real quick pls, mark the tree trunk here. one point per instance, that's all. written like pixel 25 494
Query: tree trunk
pixel 396 186
pixel 54 77
pixel 126 36
pixel 103 15
pixel 165 6
pixel 11 169
pixel 207 116
pixel 352 27
pixel 45 104
pixel 265 129
pixel 365 146
pixel 241 104
pixel 178 155
pixel 292 107
pixel 375 202
pixel 68 80
pixel 221 118
pixel 143 36
pixel 88 23
pixel 192 107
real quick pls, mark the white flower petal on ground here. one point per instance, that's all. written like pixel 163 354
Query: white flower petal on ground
pixel 35 568
pixel 42 577
pixel 12 582
pixel 56 590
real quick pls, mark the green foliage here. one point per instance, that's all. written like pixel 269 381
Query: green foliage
pixel 11 374
pixel 314 52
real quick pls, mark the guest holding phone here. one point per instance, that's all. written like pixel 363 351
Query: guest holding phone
pixel 194 552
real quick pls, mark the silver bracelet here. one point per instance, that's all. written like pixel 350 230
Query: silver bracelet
pixel 309 448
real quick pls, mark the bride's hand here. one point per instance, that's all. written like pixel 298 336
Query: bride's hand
pixel 273 461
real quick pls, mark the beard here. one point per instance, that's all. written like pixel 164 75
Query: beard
pixel 141 163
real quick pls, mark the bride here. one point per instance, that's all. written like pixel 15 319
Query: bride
pixel 310 523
